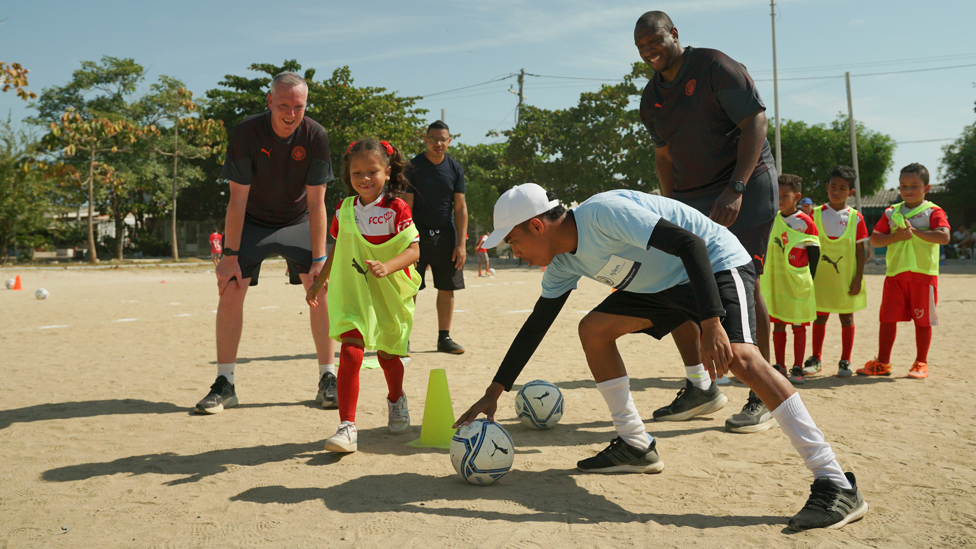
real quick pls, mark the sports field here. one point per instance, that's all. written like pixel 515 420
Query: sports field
pixel 99 446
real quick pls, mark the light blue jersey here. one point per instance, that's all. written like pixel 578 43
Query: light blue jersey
pixel 613 229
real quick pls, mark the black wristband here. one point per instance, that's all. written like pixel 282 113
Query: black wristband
pixel 229 251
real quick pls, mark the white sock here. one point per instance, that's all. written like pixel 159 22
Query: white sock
pixel 626 420
pixel 698 376
pixel 795 421
pixel 226 370
pixel 326 368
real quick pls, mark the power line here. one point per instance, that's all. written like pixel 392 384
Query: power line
pixel 876 63
pixel 498 79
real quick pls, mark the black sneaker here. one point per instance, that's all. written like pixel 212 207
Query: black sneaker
pixel 830 506
pixel 753 418
pixel 812 366
pixel 621 457
pixel 222 395
pixel 796 376
pixel 692 401
pixel 447 345
pixel 328 395
pixel 781 369
pixel 844 368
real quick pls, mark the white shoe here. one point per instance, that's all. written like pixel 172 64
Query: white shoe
pixel 345 439
pixel 399 420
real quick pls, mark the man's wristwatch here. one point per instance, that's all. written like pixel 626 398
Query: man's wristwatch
pixel 737 187
pixel 228 251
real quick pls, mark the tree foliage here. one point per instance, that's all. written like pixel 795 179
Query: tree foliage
pixel 958 167
pixel 812 151
pixel 15 76
pixel 24 192
pixel 487 174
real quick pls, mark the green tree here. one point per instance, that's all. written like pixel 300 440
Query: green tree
pixel 347 112
pixel 598 145
pixel 812 151
pixel 24 192
pixel 15 76
pixel 958 169
pixel 487 174
pixel 188 136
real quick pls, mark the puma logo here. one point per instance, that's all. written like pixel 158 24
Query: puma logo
pixel 498 448
pixel 779 243
pixel 267 152
pixel 762 259
pixel 359 268
pixel 826 258
pixel 544 395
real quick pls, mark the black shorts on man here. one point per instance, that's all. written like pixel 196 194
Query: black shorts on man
pixel 294 243
pixel 673 307
pixel 436 250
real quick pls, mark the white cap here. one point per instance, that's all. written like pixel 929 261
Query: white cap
pixel 518 204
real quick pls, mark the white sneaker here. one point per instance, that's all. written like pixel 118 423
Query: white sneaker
pixel 345 439
pixel 399 420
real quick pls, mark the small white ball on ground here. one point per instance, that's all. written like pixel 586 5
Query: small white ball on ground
pixel 10 283
pixel 491 271
pixel 482 452
pixel 539 404
pixel 41 293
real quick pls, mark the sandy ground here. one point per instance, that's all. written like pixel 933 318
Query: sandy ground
pixel 99 447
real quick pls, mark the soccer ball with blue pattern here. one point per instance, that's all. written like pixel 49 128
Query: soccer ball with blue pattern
pixel 482 452
pixel 539 404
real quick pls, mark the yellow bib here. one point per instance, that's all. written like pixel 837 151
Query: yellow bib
pixel 380 308
pixel 837 268
pixel 915 255
pixel 788 290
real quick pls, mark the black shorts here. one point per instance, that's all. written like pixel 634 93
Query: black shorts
pixel 760 204
pixel 294 243
pixel 436 248
pixel 673 307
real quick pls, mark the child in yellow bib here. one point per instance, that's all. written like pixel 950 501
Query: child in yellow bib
pixel 839 282
pixel 787 280
pixel 372 282
pixel 912 230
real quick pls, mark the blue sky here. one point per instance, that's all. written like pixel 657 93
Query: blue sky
pixel 425 47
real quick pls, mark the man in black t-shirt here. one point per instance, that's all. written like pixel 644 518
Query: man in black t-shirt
pixel 708 125
pixel 436 198
pixel 278 165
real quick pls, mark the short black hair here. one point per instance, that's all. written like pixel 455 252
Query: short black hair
pixel 846 173
pixel 438 125
pixel 655 20
pixel 794 182
pixel 917 169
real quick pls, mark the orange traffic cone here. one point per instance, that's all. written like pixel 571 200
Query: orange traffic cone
pixel 17 285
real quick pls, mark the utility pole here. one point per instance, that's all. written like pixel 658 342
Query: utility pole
pixel 442 115
pixel 779 152
pixel 521 96
pixel 853 126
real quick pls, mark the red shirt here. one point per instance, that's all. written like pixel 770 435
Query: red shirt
pixel 803 223
pixel 931 218
pixel 215 243
pixel 481 242
pixel 378 222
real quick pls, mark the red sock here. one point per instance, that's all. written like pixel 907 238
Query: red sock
pixel 799 344
pixel 347 384
pixel 886 340
pixel 779 347
pixel 819 332
pixel 393 370
pixel 923 338
pixel 847 342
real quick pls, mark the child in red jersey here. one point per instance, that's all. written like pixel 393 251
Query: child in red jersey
pixel 912 230
pixel 839 284
pixel 373 282
pixel 787 285
pixel 482 254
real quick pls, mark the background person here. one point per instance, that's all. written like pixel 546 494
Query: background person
pixel 216 243
pixel 436 198
pixel 278 165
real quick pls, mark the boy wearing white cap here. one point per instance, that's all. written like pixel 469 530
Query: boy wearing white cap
pixel 669 264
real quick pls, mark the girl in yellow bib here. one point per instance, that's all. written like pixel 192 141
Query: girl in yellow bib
pixel 372 282
pixel 787 281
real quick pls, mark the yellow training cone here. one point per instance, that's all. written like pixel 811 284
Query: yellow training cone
pixel 436 431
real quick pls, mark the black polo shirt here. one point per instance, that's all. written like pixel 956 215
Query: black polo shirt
pixel 276 169
pixel 433 189
pixel 697 115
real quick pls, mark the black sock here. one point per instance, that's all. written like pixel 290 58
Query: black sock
pixel 443 334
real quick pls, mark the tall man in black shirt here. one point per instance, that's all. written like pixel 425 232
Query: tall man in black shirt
pixel 278 165
pixel 708 125
pixel 436 198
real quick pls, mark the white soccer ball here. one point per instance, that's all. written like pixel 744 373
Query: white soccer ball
pixel 539 404
pixel 10 283
pixel 482 452
pixel 41 293
pixel 492 271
